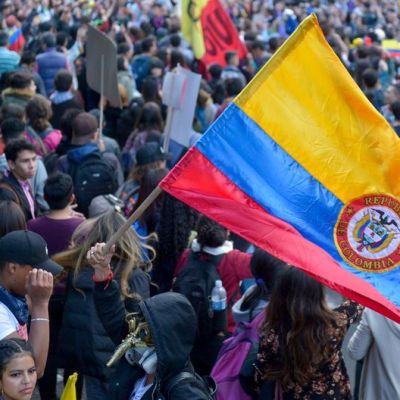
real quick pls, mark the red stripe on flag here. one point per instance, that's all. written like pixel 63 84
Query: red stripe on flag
pixel 197 182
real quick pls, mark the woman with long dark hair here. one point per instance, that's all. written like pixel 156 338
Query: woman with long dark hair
pixel 301 339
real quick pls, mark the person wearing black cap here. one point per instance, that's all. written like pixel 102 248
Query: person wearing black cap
pixel 26 272
pixel 150 156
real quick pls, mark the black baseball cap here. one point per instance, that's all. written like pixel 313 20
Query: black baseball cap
pixel 25 247
pixel 151 152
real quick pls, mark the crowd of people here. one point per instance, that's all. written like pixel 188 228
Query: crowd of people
pixel 138 321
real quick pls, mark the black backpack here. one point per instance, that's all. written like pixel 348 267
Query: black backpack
pixel 92 177
pixel 195 281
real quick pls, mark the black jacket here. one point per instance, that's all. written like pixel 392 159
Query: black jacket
pixel 16 188
pixel 173 326
pixel 84 344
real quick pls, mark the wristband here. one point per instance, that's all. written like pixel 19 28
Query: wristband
pixel 106 280
pixel 40 320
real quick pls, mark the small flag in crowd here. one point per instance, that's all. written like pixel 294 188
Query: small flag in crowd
pixel 210 31
pixel 69 392
pixel 392 46
pixel 16 40
pixel 302 165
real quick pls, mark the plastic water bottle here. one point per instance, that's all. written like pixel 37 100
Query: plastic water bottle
pixel 218 297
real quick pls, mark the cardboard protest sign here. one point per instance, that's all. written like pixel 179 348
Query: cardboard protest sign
pixel 180 94
pixel 101 66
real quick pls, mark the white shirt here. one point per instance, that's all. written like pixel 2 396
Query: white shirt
pixel 9 324
pixel 140 389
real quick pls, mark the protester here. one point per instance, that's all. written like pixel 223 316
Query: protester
pixel 20 252
pixel 18 373
pixel 149 129
pixel 28 65
pixel 165 338
pixel 21 88
pixel 300 341
pixel 84 344
pixel 211 256
pixel 62 99
pixel 102 173
pixel 232 69
pixel 51 48
pixel 50 62
pixel 58 225
pixel 38 113
pixel 177 222
pixel 9 60
pixel 11 129
pixel 21 158
pixel 149 157
pixel 376 340
pixel 266 270
pixel 11 216
pixel 56 228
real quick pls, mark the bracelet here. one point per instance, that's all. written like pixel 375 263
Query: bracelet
pixel 106 280
pixel 40 319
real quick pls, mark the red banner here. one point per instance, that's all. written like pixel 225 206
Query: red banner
pixel 220 34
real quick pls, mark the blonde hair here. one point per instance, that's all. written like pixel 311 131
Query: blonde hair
pixel 128 251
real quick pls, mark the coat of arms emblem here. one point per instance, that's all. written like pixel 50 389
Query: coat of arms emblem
pixel 367 233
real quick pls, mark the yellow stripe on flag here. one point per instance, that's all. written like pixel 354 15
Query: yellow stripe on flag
pixel 307 102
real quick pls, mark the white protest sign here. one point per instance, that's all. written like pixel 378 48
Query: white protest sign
pixel 181 118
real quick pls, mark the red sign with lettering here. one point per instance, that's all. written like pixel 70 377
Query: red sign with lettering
pixel 220 34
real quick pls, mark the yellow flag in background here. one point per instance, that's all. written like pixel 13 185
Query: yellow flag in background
pixel 191 25
pixel 69 392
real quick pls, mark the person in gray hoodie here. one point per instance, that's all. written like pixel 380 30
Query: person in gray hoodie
pixel 265 269
pixel 377 341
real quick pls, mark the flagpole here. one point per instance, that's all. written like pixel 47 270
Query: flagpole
pixel 135 216
pixel 101 97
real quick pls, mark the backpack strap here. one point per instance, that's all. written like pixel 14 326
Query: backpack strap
pixel 189 377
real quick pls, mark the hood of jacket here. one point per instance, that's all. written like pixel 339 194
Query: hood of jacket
pixel 245 315
pixel 173 325
pixel 78 153
pixel 13 92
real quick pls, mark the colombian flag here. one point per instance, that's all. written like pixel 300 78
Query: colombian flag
pixel 392 46
pixel 210 31
pixel 303 166
pixel 16 40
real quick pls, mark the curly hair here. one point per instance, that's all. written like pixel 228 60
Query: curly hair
pixel 177 220
pixel 210 233
pixel 38 112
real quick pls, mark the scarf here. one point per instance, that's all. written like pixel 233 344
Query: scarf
pixel 16 304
